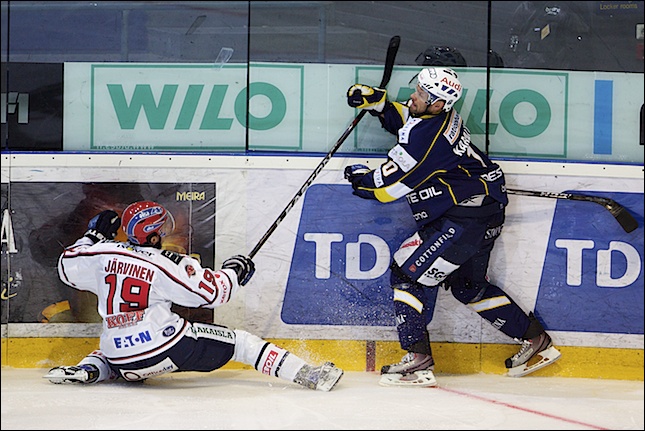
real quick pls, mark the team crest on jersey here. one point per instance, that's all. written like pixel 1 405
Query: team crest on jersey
pixel 190 270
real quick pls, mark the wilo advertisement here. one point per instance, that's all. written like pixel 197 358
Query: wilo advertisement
pixel 295 107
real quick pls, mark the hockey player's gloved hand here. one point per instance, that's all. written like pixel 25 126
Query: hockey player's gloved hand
pixel 365 97
pixel 363 192
pixel 355 171
pixel 103 226
pixel 243 267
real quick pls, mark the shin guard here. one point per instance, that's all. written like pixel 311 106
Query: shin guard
pixel 410 321
pixel 501 311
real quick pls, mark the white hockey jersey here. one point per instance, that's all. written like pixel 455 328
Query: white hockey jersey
pixel 136 287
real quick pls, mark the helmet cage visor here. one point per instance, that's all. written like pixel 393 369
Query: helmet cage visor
pixel 441 83
pixel 421 92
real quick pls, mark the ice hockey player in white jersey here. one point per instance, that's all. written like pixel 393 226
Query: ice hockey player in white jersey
pixel 137 282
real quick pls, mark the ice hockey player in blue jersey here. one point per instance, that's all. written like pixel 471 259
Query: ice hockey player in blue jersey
pixel 458 197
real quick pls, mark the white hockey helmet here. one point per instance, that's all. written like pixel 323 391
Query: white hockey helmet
pixel 441 83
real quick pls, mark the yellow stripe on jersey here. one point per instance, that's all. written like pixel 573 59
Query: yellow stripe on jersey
pixel 490 303
pixel 408 298
pixel 404 111
pixel 391 193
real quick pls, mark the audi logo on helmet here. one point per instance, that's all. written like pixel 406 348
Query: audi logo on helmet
pixel 442 83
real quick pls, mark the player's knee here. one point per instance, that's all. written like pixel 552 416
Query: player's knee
pixel 408 298
pixel 402 286
pixel 466 290
pixel 397 276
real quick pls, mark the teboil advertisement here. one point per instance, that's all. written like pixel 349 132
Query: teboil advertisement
pixel 45 217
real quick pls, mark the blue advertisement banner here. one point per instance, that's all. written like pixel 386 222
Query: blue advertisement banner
pixel 339 270
pixel 593 267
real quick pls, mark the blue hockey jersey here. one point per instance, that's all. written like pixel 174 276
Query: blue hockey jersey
pixel 433 165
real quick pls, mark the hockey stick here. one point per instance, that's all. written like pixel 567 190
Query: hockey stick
pixel 620 213
pixel 392 49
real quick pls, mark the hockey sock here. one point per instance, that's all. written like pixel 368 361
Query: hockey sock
pixel 266 357
pixel 501 311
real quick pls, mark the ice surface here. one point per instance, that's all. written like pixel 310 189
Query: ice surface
pixel 246 399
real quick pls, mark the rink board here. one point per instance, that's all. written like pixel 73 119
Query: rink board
pixel 322 284
pixel 450 358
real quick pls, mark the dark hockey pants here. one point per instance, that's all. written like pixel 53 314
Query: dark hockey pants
pixel 469 247
pixel 209 349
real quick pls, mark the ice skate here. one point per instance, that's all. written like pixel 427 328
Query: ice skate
pixel 322 378
pixel 86 373
pixel 415 369
pixel 540 349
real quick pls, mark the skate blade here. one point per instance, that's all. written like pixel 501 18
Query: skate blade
pixel 59 376
pixel 547 357
pixel 422 379
pixel 329 381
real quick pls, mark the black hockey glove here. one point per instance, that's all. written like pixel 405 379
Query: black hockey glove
pixel 353 172
pixel 365 97
pixel 103 226
pixel 243 267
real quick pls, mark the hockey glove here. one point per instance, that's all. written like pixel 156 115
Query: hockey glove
pixel 355 171
pixel 243 267
pixel 363 192
pixel 103 226
pixel 365 97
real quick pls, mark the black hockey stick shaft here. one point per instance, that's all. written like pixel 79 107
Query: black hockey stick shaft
pixel 392 49
pixel 619 212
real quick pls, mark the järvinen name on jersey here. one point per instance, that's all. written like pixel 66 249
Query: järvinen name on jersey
pixel 115 266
